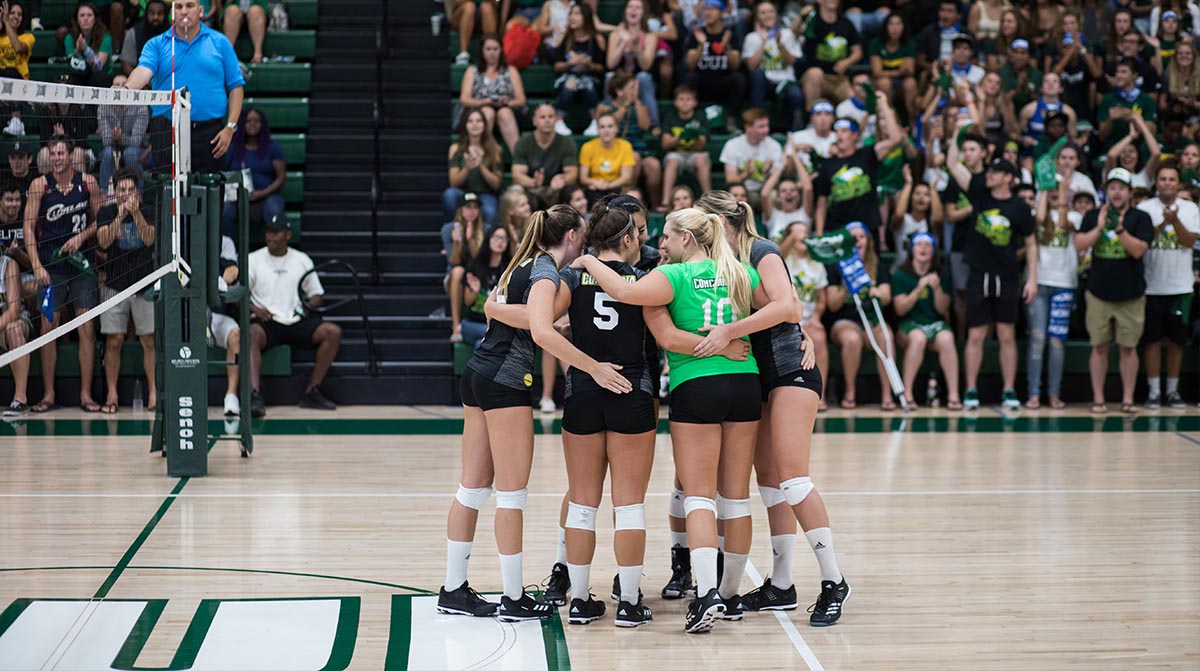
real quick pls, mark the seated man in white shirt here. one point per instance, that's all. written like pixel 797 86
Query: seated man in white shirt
pixel 279 318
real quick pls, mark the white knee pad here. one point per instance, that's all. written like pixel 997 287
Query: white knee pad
pixel 580 517
pixel 675 508
pixel 732 509
pixel 771 496
pixel 693 503
pixel 797 489
pixel 512 500
pixel 630 518
pixel 473 498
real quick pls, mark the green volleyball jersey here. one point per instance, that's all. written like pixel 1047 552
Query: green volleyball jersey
pixel 701 301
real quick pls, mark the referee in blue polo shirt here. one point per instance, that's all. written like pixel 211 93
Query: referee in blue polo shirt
pixel 207 66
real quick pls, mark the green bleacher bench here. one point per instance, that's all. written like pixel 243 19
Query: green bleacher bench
pixel 293 191
pixel 301 43
pixel 48 72
pixel 56 13
pixel 295 147
pixel 279 78
pixel 611 11
pixel 276 361
pixel 302 14
pixel 282 113
pixel 44 44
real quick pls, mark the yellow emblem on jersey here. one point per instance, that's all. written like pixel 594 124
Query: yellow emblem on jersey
pixel 528 379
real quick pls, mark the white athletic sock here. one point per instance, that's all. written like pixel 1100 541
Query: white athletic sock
pixel 510 575
pixel 1155 385
pixel 457 555
pixel 1172 385
pixel 821 541
pixel 561 557
pixel 783 547
pixel 731 579
pixel 679 539
pixel 581 575
pixel 631 581
pixel 704 566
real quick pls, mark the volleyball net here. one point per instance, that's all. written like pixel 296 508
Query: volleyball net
pixel 89 207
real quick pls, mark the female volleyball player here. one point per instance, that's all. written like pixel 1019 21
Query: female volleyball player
pixel 791 391
pixel 715 407
pixel 498 416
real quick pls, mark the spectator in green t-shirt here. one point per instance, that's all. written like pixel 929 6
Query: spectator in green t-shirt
pixel 685 141
pixel 1126 100
pixel 1019 76
pixel 923 305
pixel 893 55
pixel 90 42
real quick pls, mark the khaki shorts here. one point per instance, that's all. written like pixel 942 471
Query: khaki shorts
pixel 687 160
pixel 835 87
pixel 1121 320
pixel 115 320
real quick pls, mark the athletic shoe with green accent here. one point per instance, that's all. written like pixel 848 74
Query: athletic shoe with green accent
pixel 1010 401
pixel 630 615
pixel 971 399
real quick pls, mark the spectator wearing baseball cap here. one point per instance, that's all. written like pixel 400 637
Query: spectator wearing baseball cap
pixel 1002 224
pixel 277 276
pixel 815 142
pixel 1118 236
pixel 1020 75
pixel 846 185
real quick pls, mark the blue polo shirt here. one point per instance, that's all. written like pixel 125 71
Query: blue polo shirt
pixel 207 66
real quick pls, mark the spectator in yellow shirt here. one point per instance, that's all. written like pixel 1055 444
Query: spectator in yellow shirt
pixel 15 48
pixel 607 163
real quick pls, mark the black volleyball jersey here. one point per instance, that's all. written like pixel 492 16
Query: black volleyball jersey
pixel 61 216
pixel 777 349
pixel 606 330
pixel 506 354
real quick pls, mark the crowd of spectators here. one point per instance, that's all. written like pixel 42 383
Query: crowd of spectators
pixel 1022 170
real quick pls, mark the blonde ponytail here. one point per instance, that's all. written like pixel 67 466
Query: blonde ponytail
pixel 737 278
pixel 740 217
pixel 528 249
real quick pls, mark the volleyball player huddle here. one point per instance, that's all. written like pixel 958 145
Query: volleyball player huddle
pixel 744 393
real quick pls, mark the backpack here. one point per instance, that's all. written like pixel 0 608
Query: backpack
pixel 521 45
pixel 278 17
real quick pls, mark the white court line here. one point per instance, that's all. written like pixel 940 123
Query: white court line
pixel 789 627
pixel 450 494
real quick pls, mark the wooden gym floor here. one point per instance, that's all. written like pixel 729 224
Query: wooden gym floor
pixel 1043 540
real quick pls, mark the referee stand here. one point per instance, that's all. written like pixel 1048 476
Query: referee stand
pixel 181 323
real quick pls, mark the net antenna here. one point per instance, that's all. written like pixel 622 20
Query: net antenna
pixel 35 96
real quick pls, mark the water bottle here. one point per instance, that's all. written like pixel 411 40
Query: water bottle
pixel 932 391
pixel 138 401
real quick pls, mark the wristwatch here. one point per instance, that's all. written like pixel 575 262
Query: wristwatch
pixel 232 125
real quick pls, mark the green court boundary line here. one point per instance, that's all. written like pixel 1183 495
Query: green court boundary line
pixel 959 423
pixel 417 591
pixel 140 540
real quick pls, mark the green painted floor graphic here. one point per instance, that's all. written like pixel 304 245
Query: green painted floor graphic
pixel 324 426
